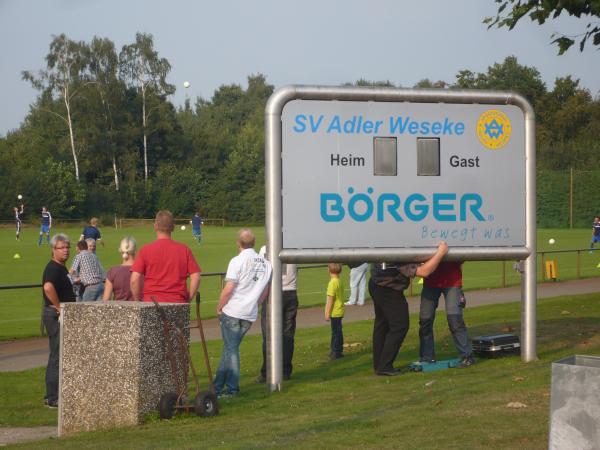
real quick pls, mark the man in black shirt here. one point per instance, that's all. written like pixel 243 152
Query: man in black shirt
pixel 386 287
pixel 56 289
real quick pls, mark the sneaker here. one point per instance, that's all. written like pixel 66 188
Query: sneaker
pixel 261 379
pixel 465 362
pixel 350 303
pixel 53 404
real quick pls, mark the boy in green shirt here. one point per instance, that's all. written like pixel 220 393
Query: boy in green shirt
pixel 334 310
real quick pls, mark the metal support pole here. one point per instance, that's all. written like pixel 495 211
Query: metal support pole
pixel 274 244
pixel 528 280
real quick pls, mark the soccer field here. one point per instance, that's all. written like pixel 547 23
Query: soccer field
pixel 21 308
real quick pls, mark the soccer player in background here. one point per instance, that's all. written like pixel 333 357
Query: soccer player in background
pixel 595 232
pixel 46 226
pixel 196 223
pixel 92 231
pixel 18 223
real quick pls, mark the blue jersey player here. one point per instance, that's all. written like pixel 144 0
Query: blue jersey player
pixel 196 223
pixel 18 222
pixel 46 226
pixel 595 232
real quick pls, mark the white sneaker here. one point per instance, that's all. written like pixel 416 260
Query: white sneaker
pixel 349 303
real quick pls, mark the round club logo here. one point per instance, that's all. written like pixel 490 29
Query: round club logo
pixel 493 129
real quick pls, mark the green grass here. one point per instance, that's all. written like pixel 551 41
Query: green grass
pixel 341 404
pixel 21 308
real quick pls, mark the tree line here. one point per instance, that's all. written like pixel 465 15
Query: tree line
pixel 103 137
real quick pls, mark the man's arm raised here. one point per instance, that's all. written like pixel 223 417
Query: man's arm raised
pixel 429 266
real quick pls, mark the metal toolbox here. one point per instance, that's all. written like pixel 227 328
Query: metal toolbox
pixel 496 345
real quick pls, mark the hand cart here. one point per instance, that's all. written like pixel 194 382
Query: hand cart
pixel 205 402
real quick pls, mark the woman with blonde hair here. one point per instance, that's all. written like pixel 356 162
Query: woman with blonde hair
pixel 118 277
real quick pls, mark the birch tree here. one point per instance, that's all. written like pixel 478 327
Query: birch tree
pixel 103 67
pixel 62 79
pixel 143 70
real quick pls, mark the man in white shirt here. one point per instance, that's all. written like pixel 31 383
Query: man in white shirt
pixel 246 286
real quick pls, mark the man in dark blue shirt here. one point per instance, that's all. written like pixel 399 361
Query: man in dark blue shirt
pixel 197 227
pixel 92 232
pixel 46 226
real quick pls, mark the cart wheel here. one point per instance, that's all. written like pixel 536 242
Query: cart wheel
pixel 206 404
pixel 166 405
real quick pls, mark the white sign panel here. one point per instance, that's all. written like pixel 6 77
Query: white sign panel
pixel 402 175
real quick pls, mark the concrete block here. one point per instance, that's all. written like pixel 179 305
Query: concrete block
pixel 575 404
pixel 113 363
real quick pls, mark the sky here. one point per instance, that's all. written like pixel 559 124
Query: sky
pixel 315 42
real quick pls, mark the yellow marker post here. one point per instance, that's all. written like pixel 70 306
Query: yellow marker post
pixel 551 270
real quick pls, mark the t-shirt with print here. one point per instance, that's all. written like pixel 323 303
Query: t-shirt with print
pixel 250 272
pixel 335 289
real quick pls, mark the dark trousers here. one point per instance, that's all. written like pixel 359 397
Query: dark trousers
pixel 289 310
pixel 50 318
pixel 337 337
pixel 390 326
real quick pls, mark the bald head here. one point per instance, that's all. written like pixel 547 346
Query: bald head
pixel 245 238
pixel 164 221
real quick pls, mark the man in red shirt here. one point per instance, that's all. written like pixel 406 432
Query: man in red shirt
pixel 163 267
pixel 447 280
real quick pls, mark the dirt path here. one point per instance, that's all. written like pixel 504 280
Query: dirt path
pixel 18 435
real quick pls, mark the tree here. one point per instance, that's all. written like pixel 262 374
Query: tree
pixel 539 11
pixel 144 71
pixel 427 83
pixel 103 67
pixel 507 76
pixel 63 77
pixel 368 83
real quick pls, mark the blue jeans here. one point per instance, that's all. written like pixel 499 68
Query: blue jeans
pixel 454 315
pixel 337 337
pixel 227 378
pixel 93 293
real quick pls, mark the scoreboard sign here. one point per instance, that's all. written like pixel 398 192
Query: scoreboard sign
pixel 358 174
pixel 398 174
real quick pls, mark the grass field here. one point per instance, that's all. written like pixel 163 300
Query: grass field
pixel 341 404
pixel 21 308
